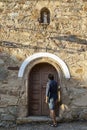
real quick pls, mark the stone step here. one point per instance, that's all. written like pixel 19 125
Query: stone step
pixel 33 119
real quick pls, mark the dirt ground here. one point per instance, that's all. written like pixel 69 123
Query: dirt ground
pixel 80 125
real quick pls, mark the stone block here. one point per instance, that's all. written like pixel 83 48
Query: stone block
pixel 7 117
pixel 8 100
pixel 1 62
pixel 13 110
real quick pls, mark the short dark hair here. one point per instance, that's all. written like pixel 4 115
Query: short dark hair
pixel 51 76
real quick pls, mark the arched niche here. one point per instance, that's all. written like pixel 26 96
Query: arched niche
pixel 45 16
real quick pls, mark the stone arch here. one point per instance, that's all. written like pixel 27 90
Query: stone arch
pixel 35 56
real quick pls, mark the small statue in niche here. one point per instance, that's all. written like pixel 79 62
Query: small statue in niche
pixel 45 17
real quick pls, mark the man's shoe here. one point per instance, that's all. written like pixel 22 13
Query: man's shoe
pixel 53 125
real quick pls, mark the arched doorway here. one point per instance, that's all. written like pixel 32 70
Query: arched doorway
pixel 38 77
pixel 24 76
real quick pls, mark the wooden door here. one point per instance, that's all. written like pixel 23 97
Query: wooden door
pixel 38 78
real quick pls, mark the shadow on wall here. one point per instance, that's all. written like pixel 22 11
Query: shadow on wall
pixel 73 91
pixel 71 38
pixel 8 65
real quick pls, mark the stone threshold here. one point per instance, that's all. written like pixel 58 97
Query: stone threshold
pixel 33 119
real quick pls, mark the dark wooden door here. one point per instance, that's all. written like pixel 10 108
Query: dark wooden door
pixel 37 88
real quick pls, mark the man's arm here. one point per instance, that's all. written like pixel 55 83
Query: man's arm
pixel 59 95
pixel 47 92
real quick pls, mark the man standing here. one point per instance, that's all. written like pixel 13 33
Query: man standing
pixel 52 97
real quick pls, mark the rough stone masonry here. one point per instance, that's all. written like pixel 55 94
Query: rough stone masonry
pixel 21 35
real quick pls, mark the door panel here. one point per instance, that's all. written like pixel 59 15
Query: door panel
pixel 34 92
pixel 38 78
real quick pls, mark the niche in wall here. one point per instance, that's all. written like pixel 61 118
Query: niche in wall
pixel 44 16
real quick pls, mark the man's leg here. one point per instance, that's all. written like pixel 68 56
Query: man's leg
pixel 52 111
pixel 53 116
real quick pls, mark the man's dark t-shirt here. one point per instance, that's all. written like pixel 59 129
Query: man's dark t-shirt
pixel 52 89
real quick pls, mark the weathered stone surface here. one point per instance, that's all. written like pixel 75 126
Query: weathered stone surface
pixel 13 110
pixel 3 73
pixel 2 110
pixel 81 101
pixel 6 117
pixel 8 100
pixel 1 62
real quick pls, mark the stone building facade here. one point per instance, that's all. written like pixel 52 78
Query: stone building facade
pixel 32 43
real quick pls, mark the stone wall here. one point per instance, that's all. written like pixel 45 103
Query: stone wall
pixel 21 35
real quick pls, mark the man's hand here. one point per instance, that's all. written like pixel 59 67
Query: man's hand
pixel 46 100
